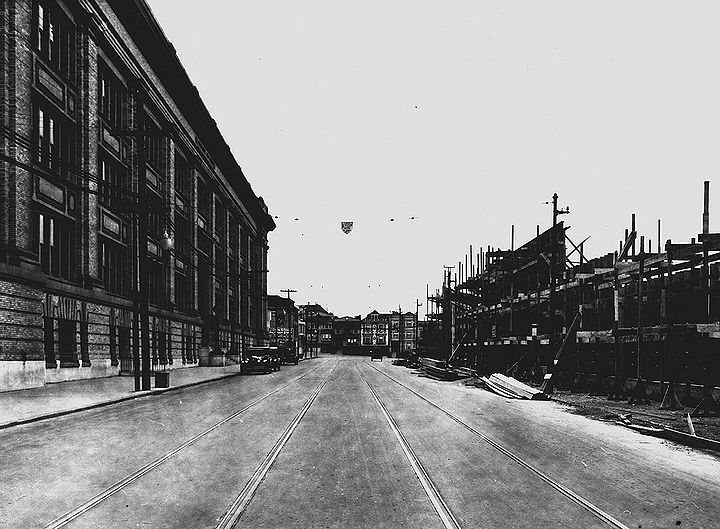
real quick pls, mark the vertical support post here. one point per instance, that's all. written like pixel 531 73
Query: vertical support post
pixel 553 242
pixel 617 391
pixel 512 279
pixel 640 393
pixel 670 399
pixel 708 404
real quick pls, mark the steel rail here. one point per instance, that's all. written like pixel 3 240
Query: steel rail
pixel 121 484
pixel 593 509
pixel 443 511
pixel 238 507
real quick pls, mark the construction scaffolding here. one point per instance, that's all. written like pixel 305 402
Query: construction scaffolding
pixel 631 324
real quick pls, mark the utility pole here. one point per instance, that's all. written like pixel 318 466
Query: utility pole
pixel 400 328
pixel 141 346
pixel 417 323
pixel 289 291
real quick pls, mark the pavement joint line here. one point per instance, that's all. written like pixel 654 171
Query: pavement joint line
pixel 98 498
pixel 243 499
pixel 442 509
pixel 599 513
pixel 140 395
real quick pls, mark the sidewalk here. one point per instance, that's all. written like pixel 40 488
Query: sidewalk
pixel 52 400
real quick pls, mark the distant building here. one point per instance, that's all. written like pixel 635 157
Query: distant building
pixel 403 332
pixel 347 335
pixel 282 322
pixel 375 333
pixel 318 329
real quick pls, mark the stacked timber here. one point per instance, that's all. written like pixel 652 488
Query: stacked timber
pixel 437 369
pixel 511 388
pixel 465 372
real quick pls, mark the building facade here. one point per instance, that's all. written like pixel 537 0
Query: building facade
pixel 403 333
pixel 375 329
pixel 318 329
pixel 347 333
pixel 282 322
pixel 108 154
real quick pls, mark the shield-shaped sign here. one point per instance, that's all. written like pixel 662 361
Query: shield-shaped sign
pixel 346 226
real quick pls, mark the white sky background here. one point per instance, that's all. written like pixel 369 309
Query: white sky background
pixel 466 115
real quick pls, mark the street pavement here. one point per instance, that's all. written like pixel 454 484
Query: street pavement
pixel 345 442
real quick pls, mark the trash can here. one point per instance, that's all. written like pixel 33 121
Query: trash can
pixel 162 379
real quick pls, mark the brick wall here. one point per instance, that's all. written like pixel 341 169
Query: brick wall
pixel 24 289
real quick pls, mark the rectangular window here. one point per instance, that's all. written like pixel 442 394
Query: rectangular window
pixel 204 282
pixel 55 37
pixel 183 241
pixel 67 338
pixel 183 176
pixel 182 292
pixel 220 219
pixel 114 267
pixel 204 200
pixel 112 97
pixel 156 283
pixel 113 184
pixel 154 146
pixel 53 239
pixel 53 140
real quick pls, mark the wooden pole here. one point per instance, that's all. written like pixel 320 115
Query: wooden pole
pixel 640 393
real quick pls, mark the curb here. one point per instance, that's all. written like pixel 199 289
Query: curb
pixel 132 396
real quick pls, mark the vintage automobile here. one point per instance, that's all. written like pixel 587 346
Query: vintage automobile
pixel 289 354
pixel 376 354
pixel 261 359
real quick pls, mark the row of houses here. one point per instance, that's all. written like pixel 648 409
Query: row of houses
pixel 314 330
pixel 127 227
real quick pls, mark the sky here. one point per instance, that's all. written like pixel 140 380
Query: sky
pixel 458 120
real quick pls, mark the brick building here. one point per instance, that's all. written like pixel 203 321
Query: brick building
pixel 100 122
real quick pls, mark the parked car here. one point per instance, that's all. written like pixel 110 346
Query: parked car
pixel 289 355
pixel 376 354
pixel 257 363
pixel 261 359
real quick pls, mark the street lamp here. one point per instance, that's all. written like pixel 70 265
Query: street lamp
pixel 166 243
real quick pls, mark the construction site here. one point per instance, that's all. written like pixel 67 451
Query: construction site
pixel 633 324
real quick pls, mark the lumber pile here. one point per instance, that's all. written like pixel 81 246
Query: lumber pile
pixel 511 388
pixel 437 369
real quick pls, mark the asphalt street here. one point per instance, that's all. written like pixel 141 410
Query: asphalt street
pixel 346 442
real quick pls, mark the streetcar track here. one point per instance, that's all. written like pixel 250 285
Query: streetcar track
pixel 442 509
pixel 121 484
pixel 243 499
pixel 593 509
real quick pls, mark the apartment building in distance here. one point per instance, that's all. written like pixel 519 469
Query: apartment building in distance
pixel 318 324
pixel 109 156
pixel 347 333
pixel 375 328
pixel 403 333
